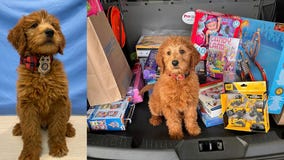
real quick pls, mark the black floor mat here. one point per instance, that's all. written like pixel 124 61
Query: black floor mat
pixel 140 134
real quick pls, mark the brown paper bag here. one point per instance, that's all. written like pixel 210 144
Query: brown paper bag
pixel 108 73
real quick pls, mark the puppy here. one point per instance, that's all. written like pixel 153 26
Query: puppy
pixel 42 86
pixel 175 94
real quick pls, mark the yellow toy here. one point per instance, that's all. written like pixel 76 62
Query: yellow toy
pixel 244 106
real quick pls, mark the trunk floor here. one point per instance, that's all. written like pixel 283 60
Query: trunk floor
pixel 140 134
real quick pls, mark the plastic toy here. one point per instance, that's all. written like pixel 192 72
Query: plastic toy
pixel 136 84
pixel 244 106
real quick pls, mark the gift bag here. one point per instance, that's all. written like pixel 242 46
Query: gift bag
pixel 108 73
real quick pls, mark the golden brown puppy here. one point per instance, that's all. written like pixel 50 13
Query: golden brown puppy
pixel 175 94
pixel 42 86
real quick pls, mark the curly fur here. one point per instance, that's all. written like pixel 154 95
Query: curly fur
pixel 174 99
pixel 42 100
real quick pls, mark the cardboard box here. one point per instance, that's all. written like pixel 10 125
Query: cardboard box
pixel 108 73
pixel 110 116
pixel 262 46
pixel 206 119
pixel 146 43
pixel 209 97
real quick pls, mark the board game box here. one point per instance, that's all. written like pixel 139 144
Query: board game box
pixel 206 119
pixel 221 60
pixel 112 116
pixel 209 97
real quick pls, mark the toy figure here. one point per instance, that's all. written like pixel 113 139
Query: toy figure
pixel 213 25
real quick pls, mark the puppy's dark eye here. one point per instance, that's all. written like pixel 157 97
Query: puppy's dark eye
pixel 34 25
pixel 169 53
pixel 181 51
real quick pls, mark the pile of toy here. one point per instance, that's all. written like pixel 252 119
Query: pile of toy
pixel 235 51
pixel 247 55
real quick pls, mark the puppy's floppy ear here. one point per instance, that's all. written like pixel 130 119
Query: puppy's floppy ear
pixel 17 37
pixel 194 58
pixel 159 59
pixel 62 44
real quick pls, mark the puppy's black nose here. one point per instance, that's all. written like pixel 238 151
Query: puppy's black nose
pixel 49 33
pixel 175 62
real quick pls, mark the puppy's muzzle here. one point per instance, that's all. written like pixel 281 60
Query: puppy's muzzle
pixel 49 33
pixel 175 63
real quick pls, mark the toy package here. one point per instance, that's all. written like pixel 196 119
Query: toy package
pixel 261 57
pixel 207 24
pixel 206 119
pixel 112 116
pixel 244 106
pixel 209 97
pixel 146 43
pixel 136 84
pixel 150 68
pixel 221 60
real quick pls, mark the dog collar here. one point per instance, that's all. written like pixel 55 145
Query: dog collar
pixel 41 64
pixel 179 76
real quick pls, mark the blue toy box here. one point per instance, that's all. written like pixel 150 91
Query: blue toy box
pixel 206 119
pixel 112 116
pixel 261 57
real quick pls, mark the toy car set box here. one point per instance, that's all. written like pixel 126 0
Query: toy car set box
pixel 244 106
pixel 112 116
pixel 261 58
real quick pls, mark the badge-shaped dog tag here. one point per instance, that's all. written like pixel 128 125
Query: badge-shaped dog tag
pixel 44 64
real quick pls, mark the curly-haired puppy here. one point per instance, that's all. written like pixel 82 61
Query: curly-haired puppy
pixel 175 94
pixel 42 86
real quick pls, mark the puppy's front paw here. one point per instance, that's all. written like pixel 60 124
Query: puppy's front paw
pixel 194 131
pixel 70 131
pixel 58 151
pixel 155 120
pixel 176 136
pixel 29 155
pixel 17 131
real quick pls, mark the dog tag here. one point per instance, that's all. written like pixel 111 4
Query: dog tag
pixel 44 64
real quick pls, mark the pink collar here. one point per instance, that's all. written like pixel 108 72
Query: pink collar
pixel 179 77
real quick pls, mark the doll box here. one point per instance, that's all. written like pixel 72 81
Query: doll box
pixel 150 67
pixel 111 116
pixel 262 48
pixel 208 24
